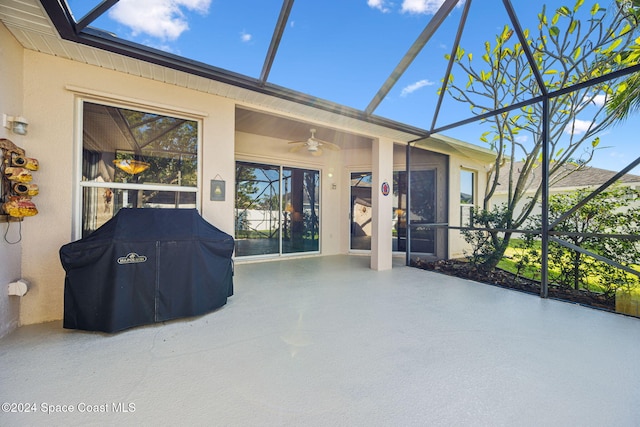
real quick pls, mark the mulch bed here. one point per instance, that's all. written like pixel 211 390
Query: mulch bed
pixel 502 278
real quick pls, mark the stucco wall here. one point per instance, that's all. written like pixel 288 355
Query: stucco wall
pixel 11 103
pixel 457 245
pixel 47 90
pixel 51 108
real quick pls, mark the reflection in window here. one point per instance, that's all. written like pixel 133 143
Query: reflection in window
pixel 399 215
pixel 301 202
pixel 257 228
pixel 135 159
pixel 361 210
pixel 277 210
pixel 467 196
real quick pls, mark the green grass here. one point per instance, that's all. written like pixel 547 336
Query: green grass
pixel 508 263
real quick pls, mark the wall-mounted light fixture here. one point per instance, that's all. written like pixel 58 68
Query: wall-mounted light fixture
pixel 18 124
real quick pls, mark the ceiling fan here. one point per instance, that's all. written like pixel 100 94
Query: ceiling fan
pixel 313 145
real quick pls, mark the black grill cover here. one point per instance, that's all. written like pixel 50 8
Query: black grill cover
pixel 145 266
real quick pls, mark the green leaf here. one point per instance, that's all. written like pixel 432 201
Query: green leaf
pixel 554 31
pixel 564 10
pixel 595 9
pixel 572 27
pixel 622 87
pixel 555 19
pixel 470 57
pixel 579 3
pixel 542 16
pixel 551 72
pixel 613 46
pixel 595 142
pixel 576 53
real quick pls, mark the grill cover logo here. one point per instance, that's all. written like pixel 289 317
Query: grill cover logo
pixel 132 258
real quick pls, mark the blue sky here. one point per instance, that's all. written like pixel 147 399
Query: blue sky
pixel 339 50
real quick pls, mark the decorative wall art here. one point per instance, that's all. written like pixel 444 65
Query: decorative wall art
pixel 17 188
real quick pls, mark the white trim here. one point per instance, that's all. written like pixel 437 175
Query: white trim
pixel 134 102
pixel 129 186
pixel 108 99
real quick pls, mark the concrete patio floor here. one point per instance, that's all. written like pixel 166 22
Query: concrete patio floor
pixel 326 341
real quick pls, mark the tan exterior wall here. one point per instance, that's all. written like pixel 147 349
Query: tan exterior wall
pixel 457 246
pixel 48 90
pixel 11 103
pixel 51 108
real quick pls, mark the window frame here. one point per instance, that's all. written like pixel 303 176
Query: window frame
pixel 281 167
pixel 80 185
pixel 466 209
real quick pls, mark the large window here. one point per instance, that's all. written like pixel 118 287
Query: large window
pixel 277 210
pixel 135 159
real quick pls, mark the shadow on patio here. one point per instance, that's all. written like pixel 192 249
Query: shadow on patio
pixel 327 341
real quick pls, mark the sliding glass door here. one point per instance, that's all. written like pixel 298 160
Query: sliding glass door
pixel 277 210
pixel 300 216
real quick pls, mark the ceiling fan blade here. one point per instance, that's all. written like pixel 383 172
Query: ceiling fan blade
pixel 296 148
pixel 329 145
pixel 297 142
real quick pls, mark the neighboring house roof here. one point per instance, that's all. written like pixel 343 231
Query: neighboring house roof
pixel 567 177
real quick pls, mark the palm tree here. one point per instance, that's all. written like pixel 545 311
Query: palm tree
pixel 626 100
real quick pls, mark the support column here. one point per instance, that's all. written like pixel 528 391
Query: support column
pixel 382 205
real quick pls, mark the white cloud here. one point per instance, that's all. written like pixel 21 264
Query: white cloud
pixel 522 139
pixel 245 37
pixel 163 19
pixel 578 127
pixel 599 100
pixel 378 4
pixel 427 7
pixel 415 86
